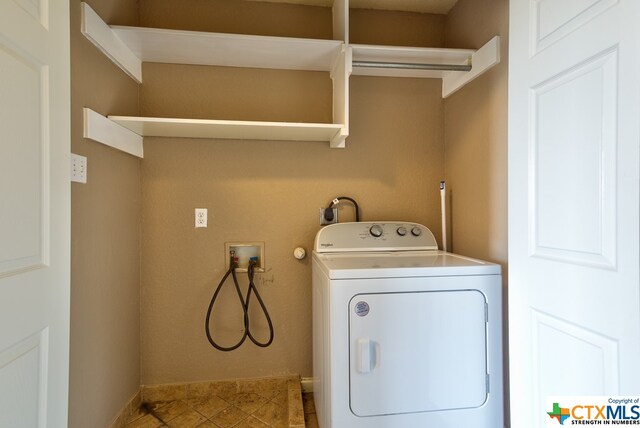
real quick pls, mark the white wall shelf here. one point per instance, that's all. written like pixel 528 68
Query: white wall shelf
pixel 228 129
pixel 480 61
pixel 128 47
pixel 408 55
pixel 230 50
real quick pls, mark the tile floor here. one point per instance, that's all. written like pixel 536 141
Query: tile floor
pixel 261 409
pixel 310 418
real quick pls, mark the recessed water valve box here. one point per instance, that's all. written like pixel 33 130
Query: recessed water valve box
pixel 244 252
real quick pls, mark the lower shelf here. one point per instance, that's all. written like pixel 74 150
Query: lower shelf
pixel 229 129
pixel 125 132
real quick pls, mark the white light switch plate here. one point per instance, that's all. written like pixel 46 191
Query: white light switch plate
pixel 201 217
pixel 78 168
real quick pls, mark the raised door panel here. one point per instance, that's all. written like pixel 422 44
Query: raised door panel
pixel 23 160
pixel 23 376
pixel 552 19
pixel 573 164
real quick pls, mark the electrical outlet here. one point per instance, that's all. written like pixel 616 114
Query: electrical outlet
pixel 78 168
pixel 201 217
pixel 324 221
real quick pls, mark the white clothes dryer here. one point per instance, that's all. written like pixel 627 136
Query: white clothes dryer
pixel 404 335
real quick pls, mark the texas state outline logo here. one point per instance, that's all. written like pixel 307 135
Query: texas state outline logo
pixel 559 413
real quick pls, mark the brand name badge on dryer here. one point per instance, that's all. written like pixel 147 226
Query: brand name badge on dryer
pixel 362 309
pixel 326 245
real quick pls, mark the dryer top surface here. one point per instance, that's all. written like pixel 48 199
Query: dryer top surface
pixel 388 250
pixel 400 264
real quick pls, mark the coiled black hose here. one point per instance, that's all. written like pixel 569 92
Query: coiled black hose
pixel 245 309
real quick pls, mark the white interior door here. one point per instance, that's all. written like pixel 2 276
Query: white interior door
pixel 34 212
pixel 574 121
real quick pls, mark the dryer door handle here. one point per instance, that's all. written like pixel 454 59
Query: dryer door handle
pixel 363 355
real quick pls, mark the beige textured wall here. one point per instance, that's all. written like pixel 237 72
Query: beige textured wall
pixel 265 191
pixel 203 92
pixel 375 27
pixel 105 237
pixel 475 135
pixel 235 16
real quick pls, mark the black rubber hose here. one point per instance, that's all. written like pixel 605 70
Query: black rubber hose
pixel 331 204
pixel 252 287
pixel 210 309
pixel 245 309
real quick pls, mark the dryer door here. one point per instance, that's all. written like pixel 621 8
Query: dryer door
pixel 417 352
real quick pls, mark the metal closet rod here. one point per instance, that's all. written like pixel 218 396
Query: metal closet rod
pixel 411 66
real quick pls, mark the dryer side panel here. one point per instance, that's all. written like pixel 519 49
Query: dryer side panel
pixel 321 346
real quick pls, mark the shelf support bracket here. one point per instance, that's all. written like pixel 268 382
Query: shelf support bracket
pixel 102 130
pixel 101 35
pixel 481 61
pixel 340 77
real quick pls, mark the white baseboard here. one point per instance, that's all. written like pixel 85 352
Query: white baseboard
pixel 307 384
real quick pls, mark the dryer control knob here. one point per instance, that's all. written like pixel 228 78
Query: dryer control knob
pixel 376 230
pixel 416 231
pixel 402 231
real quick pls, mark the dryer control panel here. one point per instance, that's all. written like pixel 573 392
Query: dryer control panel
pixel 374 236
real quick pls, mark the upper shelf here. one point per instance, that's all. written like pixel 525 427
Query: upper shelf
pixel 407 55
pixel 232 50
pixel 440 63
pixel 128 47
